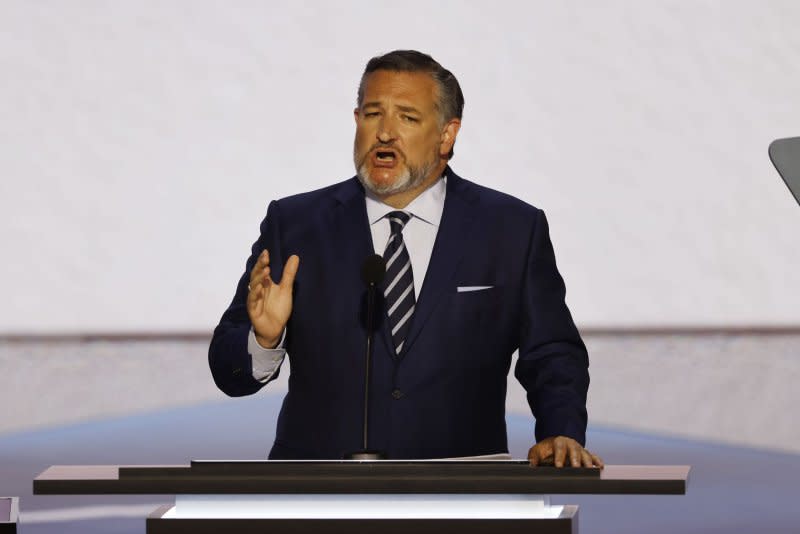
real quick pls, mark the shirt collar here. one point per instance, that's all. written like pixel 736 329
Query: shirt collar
pixel 428 206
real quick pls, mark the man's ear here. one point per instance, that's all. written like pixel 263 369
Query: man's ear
pixel 355 115
pixel 449 133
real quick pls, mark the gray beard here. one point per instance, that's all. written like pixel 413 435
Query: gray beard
pixel 412 177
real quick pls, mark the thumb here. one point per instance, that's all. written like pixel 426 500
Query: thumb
pixel 290 271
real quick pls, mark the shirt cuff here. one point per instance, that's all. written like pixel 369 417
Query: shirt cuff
pixel 266 362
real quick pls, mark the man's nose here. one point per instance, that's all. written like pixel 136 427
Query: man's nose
pixel 386 131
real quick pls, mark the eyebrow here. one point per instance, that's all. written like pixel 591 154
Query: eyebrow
pixel 407 109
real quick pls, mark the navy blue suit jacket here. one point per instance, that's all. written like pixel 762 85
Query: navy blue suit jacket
pixel 444 395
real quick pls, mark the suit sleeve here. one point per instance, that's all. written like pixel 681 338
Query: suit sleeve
pixel 553 362
pixel 228 356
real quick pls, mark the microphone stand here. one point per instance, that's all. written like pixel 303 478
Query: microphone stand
pixel 365 453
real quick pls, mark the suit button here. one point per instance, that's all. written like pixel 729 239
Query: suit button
pixel 396 394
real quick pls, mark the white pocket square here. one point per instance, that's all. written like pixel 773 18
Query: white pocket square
pixel 466 289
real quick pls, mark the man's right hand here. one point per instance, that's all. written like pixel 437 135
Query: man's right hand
pixel 269 304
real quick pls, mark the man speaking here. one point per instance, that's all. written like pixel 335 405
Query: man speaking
pixel 470 278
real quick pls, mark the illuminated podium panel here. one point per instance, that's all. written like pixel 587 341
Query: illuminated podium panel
pixel 357 496
pixel 9 509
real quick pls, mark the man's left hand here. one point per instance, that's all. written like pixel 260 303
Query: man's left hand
pixel 560 451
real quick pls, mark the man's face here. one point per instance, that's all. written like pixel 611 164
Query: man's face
pixel 398 131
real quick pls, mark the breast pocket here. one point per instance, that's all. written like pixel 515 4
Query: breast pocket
pixel 477 326
pixel 473 306
pixel 472 289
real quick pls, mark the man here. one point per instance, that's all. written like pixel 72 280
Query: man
pixel 470 278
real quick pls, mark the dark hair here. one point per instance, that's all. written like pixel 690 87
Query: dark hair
pixel 451 99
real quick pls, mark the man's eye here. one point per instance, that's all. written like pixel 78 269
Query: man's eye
pixel 371 114
pixel 409 118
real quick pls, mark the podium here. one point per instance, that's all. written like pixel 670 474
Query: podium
pixel 325 497
pixel 9 510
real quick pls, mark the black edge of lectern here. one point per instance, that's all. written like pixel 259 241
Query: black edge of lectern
pixel 350 469
pixel 347 487
pixel 354 480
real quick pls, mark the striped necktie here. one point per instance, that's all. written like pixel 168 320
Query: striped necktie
pixel 399 290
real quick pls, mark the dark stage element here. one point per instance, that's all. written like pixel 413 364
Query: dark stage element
pixel 731 489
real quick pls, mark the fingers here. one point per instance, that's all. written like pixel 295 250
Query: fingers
pixel 533 456
pixel 537 456
pixel 597 460
pixel 257 272
pixel 261 286
pixel 260 282
pixel 541 453
pixel 260 274
pixel 290 271
pixel 559 452
pixel 574 454
pixel 255 287
pixel 255 298
pixel 580 457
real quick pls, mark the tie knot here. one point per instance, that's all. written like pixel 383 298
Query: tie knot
pixel 397 220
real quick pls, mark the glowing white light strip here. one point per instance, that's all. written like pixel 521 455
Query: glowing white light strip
pixel 364 507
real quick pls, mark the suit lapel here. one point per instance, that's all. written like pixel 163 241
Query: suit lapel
pixel 449 249
pixel 356 243
pixel 356 238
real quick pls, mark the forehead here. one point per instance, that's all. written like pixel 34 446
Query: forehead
pixel 415 88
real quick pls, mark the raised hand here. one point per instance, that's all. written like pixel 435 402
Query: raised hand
pixel 269 304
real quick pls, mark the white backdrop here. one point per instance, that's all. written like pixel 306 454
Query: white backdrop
pixel 140 143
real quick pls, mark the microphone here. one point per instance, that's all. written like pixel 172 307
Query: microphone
pixel 372 272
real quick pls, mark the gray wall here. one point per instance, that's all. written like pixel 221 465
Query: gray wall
pixel 140 143
pixel 736 388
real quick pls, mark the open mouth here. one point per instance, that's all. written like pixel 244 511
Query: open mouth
pixel 385 156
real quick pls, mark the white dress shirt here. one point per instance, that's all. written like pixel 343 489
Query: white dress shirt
pixel 419 235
